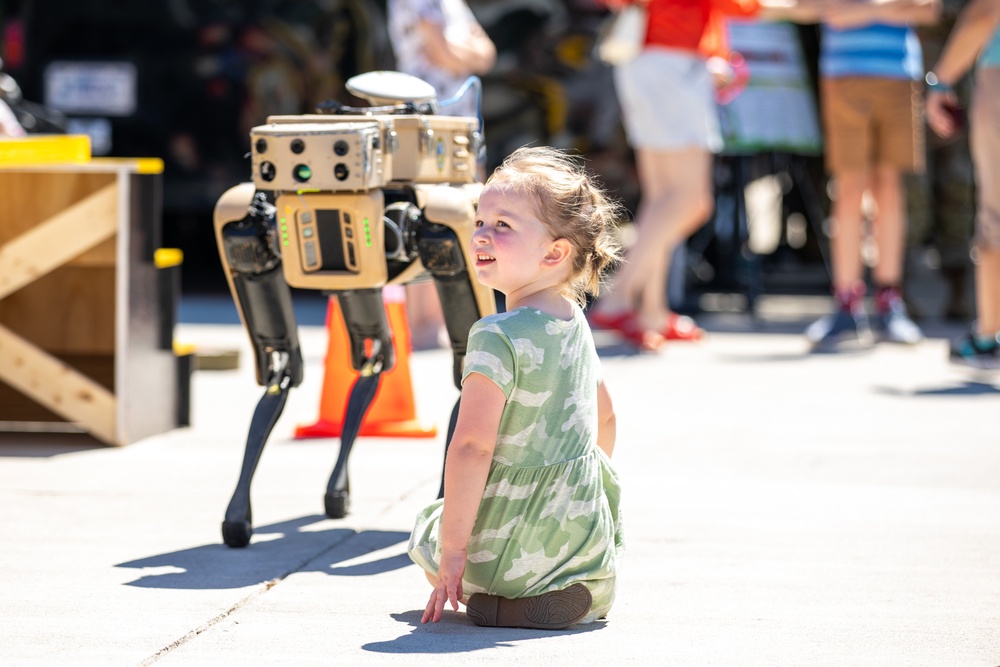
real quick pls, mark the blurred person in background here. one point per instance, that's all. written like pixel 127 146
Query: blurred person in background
pixel 941 203
pixel 667 98
pixel 9 127
pixel 870 72
pixel 441 42
pixel 975 40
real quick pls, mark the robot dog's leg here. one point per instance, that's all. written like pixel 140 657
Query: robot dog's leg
pixel 371 354
pixel 451 431
pixel 238 524
pixel 442 254
pixel 244 224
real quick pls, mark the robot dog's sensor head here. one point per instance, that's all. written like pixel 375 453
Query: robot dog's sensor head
pixel 315 156
pixel 328 173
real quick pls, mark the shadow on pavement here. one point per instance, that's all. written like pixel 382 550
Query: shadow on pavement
pixel 456 634
pixel 966 388
pixel 216 566
pixel 43 445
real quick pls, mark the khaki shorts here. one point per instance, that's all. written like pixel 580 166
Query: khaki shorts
pixel 871 121
pixel 984 139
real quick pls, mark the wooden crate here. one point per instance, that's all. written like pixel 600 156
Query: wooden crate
pixel 82 316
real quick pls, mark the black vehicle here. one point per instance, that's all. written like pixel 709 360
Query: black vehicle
pixel 185 80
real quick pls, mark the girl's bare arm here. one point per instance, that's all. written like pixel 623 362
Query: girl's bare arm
pixel 466 469
pixel 606 428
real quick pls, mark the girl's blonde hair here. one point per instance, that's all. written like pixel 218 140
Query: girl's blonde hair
pixel 571 205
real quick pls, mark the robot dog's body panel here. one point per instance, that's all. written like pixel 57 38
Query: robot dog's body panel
pixel 361 200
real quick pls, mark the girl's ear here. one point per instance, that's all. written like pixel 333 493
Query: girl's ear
pixel 559 250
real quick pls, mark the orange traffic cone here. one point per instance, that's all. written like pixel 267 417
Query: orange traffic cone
pixel 392 412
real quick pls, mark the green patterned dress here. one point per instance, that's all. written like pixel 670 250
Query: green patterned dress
pixel 549 515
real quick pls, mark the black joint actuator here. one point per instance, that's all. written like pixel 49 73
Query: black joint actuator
pixel 365 319
pixel 441 254
pixel 263 296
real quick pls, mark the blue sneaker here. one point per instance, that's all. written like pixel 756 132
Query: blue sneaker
pixel 895 326
pixel 843 326
pixel 975 352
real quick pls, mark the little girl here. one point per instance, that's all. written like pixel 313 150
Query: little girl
pixel 528 533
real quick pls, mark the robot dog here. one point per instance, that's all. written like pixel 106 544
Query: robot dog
pixel 362 198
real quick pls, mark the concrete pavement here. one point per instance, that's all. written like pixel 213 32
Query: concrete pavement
pixel 782 509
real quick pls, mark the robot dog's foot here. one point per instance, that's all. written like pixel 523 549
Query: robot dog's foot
pixel 337 503
pixel 237 534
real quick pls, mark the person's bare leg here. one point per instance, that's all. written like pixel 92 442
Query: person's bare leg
pixel 890 235
pixel 625 288
pixel 687 203
pixel 425 317
pixel 846 268
pixel 890 227
pixel 676 201
pixel 845 241
pixel 988 292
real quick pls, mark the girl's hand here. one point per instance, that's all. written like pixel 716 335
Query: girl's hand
pixel 448 587
pixel 940 112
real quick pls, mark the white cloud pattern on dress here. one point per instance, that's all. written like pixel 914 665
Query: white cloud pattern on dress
pixel 530 399
pixel 520 439
pixel 577 419
pixel 504 489
pixel 530 356
pixel 566 359
pixel 502 533
pixel 491 362
pixel 483 556
pixel 596 551
pixel 561 504
pixel 534 563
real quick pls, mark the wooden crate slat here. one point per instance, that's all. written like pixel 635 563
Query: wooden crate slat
pixel 57 386
pixel 58 239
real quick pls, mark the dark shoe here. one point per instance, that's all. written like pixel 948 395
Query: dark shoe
pixel 969 351
pixel 842 326
pixel 895 326
pixel 554 610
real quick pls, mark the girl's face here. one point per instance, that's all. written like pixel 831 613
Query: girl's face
pixel 510 246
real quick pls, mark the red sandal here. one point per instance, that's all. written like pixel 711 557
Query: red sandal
pixel 626 323
pixel 681 327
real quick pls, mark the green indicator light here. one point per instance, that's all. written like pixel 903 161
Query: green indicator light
pixel 302 173
pixel 282 220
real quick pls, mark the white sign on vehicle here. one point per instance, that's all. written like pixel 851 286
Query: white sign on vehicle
pixel 98 88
